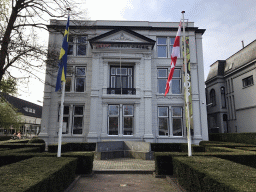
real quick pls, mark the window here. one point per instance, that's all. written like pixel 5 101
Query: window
pixel 121 80
pixel 78 116
pixel 248 81
pixel 212 97
pixel 164 46
pixel 120 122
pixel 162 76
pixel 75 114
pixel 77 45
pixel 80 79
pixel 76 82
pixel 176 121
pixel 163 118
pixel 223 100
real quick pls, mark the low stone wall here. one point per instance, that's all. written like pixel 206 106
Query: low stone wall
pixel 123 149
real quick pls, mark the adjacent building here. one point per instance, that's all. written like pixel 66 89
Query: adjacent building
pixel 116 77
pixel 31 116
pixel 230 92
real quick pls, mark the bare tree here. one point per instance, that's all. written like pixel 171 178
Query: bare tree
pixel 20 24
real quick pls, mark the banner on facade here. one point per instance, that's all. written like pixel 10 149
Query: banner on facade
pixel 189 107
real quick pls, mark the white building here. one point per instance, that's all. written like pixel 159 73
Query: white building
pixel 30 115
pixel 117 71
pixel 231 93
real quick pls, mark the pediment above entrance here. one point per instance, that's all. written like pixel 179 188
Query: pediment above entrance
pixel 122 38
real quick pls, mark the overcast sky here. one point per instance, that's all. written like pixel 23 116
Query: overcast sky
pixel 227 22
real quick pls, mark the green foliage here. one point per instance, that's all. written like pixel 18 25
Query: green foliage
pixel 38 174
pixel 166 147
pixel 213 174
pixel 5 138
pixel 41 146
pixel 36 140
pixel 65 147
pixel 9 116
pixel 8 86
pixel 249 138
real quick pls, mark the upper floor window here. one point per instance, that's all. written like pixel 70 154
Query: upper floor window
pixel 164 46
pixel 162 76
pixel 212 97
pixel 121 80
pixel 76 82
pixel 77 45
pixel 223 100
pixel 248 81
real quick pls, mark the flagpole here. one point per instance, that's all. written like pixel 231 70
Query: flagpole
pixel 61 118
pixel 61 110
pixel 186 91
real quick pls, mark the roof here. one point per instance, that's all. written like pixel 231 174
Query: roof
pixel 25 107
pixel 217 69
pixel 144 40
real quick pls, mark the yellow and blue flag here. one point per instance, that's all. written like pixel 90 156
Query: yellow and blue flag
pixel 63 59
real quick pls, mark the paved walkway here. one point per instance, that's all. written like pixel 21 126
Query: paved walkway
pixel 124 175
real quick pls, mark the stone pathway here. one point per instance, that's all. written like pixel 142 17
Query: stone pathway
pixel 124 175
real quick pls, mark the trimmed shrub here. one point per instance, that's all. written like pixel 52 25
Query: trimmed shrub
pixel 194 148
pixel 166 147
pixel 163 162
pixel 41 146
pixel 82 146
pixel 249 138
pixel 38 174
pixel 53 148
pixel 5 138
pixel 36 140
pixel 213 174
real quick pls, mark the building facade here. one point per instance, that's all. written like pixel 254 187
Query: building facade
pixel 117 72
pixel 231 105
pixel 30 115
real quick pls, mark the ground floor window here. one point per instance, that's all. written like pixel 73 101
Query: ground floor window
pixel 120 119
pixel 170 121
pixel 73 116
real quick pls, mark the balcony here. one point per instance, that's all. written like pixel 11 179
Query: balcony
pixel 123 91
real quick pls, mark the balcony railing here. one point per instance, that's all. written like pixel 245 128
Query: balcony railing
pixel 125 91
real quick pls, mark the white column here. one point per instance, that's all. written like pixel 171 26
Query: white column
pixel 104 131
pixel 148 135
pixel 92 135
pixel 105 76
pixel 202 104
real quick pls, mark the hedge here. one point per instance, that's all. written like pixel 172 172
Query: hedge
pixel 38 174
pixel 65 147
pixel 213 174
pixel 41 146
pixel 249 138
pixel 166 147
pixel 4 138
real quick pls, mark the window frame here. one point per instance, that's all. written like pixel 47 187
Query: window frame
pixel 121 119
pixel 73 76
pixel 213 97
pixel 173 79
pixel 248 81
pixel 169 45
pixel 75 44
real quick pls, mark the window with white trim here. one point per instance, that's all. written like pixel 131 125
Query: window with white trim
pixel 165 123
pixel 76 81
pixel 163 119
pixel 164 46
pixel 162 76
pixel 77 45
pixel 73 116
pixel 177 121
pixel 120 119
